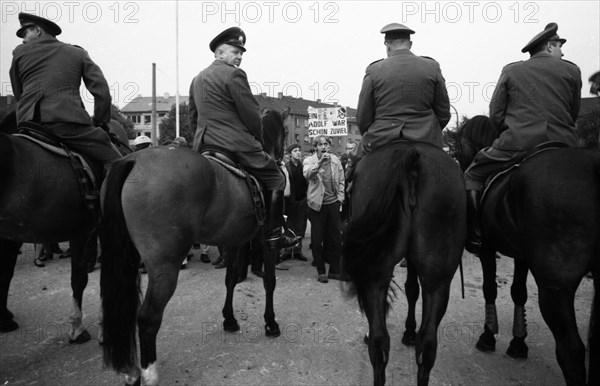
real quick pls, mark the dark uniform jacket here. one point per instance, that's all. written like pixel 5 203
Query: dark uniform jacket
pixel 223 109
pixel 46 75
pixel 402 96
pixel 536 101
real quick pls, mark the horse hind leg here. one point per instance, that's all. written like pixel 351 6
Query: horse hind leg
pixel 411 287
pixel 518 291
pixel 161 287
pixel 79 278
pixel 231 256
pixel 487 340
pixel 374 301
pixel 8 260
pixel 435 302
pixel 594 332
pixel 558 311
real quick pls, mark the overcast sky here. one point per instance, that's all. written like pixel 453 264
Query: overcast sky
pixel 309 49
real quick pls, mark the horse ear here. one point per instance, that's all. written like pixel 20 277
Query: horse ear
pixel 285 113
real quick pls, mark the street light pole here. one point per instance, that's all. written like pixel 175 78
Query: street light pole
pixel 456 112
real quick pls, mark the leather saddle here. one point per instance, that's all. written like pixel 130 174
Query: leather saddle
pixel 88 172
pixel 496 211
pixel 228 160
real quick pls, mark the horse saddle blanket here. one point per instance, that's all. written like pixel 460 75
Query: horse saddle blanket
pixel 227 160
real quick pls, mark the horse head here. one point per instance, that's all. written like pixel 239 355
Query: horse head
pixel 595 81
pixel 273 131
pixel 472 136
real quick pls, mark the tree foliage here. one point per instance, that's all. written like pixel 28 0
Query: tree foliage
pixel 588 129
pixel 167 126
pixel 116 114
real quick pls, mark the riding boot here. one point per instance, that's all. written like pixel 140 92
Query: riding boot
pixel 473 243
pixel 274 224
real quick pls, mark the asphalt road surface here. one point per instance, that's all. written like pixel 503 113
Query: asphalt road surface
pixel 321 341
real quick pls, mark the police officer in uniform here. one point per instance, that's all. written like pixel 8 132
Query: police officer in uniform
pixel 226 114
pixel 402 96
pixel 45 75
pixel 535 101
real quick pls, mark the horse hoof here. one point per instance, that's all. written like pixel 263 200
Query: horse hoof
pixel 409 338
pixel 8 325
pixel 486 343
pixel 517 349
pixel 82 338
pixel 272 331
pixel 231 326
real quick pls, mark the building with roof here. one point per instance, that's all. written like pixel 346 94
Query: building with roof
pixel 139 110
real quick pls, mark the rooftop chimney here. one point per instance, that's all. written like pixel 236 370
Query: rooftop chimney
pixel 279 95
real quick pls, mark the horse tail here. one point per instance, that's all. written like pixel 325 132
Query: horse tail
pixel 594 324
pixel 369 236
pixel 119 279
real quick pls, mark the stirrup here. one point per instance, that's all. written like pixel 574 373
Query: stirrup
pixel 473 245
pixel 276 239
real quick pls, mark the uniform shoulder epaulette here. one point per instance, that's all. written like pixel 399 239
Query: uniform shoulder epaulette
pixel 429 57
pixel 510 64
pixel 377 61
pixel 75 45
pixel 568 61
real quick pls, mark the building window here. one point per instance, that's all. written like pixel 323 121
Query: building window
pixel 160 115
pixel 148 134
pixel 147 119
pixel 135 118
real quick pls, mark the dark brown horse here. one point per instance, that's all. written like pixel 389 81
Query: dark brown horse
pixel 41 202
pixel 157 203
pixel 408 200
pixel 546 215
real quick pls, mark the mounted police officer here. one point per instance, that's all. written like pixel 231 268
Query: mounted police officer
pixel 45 75
pixel 402 96
pixel 226 114
pixel 535 101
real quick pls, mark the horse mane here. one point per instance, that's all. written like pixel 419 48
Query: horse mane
pixel 273 130
pixel 473 135
pixel 369 236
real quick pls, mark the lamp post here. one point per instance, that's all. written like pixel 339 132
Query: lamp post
pixel 456 112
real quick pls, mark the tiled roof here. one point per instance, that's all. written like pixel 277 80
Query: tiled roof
pixel 298 106
pixel 144 104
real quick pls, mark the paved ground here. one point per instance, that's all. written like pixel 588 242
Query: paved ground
pixel 321 342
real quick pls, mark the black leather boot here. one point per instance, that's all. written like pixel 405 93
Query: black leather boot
pixel 274 224
pixel 473 243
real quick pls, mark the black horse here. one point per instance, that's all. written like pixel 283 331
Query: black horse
pixel 408 200
pixel 40 202
pixel 214 206
pixel 546 215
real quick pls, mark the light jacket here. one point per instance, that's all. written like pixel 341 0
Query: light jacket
pixel 313 173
